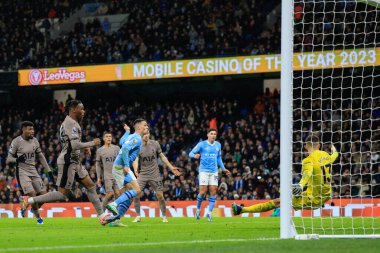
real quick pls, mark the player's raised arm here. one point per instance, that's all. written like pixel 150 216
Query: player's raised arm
pixel 125 135
pixel 334 154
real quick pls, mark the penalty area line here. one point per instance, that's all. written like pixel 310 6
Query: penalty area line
pixel 132 244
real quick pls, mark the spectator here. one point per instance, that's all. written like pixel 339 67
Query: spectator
pixel 175 30
pixel 238 183
pixel 170 126
pixel 106 25
pixel 250 144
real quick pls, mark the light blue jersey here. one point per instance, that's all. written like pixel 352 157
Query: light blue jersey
pixel 210 156
pixel 130 148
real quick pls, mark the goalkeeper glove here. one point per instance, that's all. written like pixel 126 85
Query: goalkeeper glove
pixel 297 190
pixel 333 149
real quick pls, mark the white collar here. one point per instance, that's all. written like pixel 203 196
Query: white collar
pixel 210 143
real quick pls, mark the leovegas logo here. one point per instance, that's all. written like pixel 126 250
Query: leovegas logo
pixel 36 77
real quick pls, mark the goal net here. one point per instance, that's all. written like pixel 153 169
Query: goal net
pixel 336 95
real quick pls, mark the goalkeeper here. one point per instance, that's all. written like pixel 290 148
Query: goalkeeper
pixel 313 190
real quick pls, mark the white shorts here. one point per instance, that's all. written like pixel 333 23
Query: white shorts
pixel 119 176
pixel 206 178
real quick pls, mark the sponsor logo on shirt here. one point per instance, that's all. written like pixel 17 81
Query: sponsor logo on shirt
pixel 210 155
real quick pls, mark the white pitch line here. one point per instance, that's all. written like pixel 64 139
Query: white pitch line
pixel 141 224
pixel 132 244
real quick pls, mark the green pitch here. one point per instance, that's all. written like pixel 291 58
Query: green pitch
pixel 151 235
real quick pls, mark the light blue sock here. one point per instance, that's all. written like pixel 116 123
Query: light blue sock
pixel 123 208
pixel 199 201
pixel 211 201
pixel 126 196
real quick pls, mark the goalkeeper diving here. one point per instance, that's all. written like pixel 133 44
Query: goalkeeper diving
pixel 313 190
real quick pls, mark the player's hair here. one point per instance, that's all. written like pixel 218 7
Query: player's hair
pixel 71 104
pixel 137 121
pixel 211 130
pixel 26 124
pixel 106 132
pixel 312 139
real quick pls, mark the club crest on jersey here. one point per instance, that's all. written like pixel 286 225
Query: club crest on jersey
pixel 132 142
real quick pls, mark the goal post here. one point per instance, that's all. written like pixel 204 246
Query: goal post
pixel 330 85
pixel 286 94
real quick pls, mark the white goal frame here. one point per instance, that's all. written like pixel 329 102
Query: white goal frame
pixel 287 228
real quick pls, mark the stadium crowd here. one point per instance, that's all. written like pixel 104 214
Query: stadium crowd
pixel 170 29
pixel 352 125
pixel 155 30
pixel 21 23
pixel 329 25
pixel 249 135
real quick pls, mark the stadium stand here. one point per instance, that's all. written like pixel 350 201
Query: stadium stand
pixel 156 30
pixel 250 137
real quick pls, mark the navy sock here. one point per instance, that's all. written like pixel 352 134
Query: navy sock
pixel 122 208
